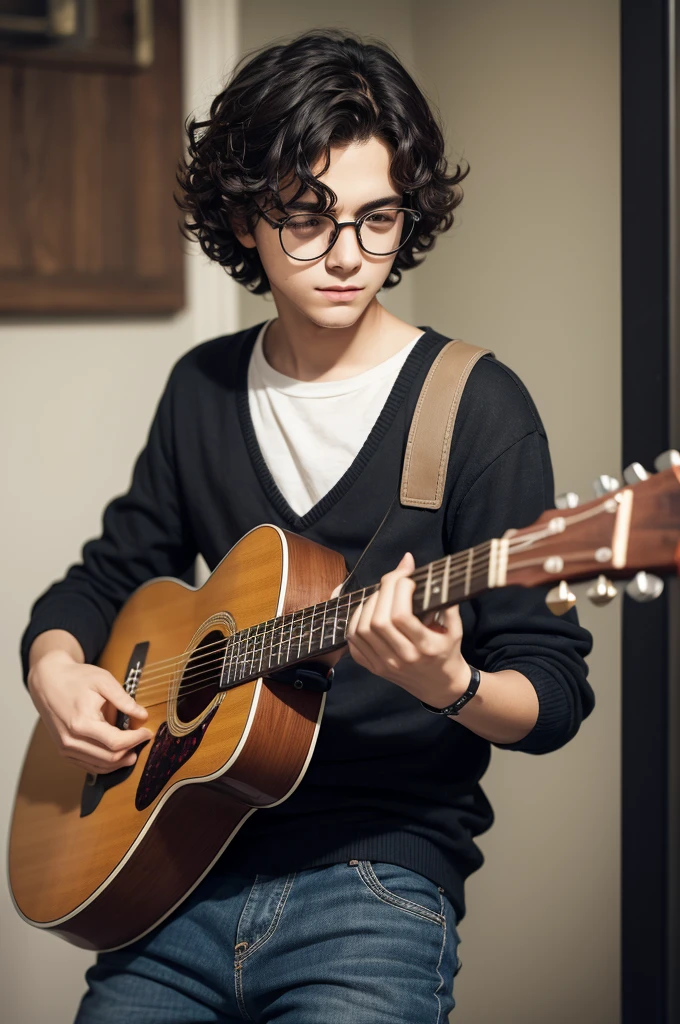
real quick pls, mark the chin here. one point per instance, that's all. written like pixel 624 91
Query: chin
pixel 336 316
pixel 334 322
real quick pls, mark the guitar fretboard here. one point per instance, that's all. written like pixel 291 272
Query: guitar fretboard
pixel 320 628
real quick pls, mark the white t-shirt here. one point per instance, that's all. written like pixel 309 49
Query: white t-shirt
pixel 310 432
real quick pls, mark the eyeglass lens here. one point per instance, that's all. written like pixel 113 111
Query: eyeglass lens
pixel 308 235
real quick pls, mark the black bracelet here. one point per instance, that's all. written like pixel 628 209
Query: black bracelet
pixel 455 708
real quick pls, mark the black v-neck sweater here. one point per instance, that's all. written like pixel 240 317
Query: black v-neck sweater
pixel 388 780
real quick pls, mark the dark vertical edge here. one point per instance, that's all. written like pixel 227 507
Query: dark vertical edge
pixel 649 720
pixel 673 959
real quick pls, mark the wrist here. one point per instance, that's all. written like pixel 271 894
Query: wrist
pixel 463 693
pixel 46 659
pixel 457 680
pixel 54 642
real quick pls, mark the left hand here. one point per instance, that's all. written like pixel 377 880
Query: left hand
pixel 389 640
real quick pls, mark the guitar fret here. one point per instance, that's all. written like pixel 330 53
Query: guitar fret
pixel 259 635
pixel 436 585
pixel 447 570
pixel 252 638
pixel 226 667
pixel 300 631
pixel 244 662
pixel 311 632
pixel 244 665
pixel 468 570
pixel 314 639
pixel 270 634
pixel 428 588
pixel 289 637
pixel 279 641
pixel 322 641
pixel 237 653
pixel 345 621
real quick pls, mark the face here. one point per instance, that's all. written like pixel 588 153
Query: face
pixel 359 175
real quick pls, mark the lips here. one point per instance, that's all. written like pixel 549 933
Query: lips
pixel 340 294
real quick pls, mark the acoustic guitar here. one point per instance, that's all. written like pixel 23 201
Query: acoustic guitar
pixel 102 859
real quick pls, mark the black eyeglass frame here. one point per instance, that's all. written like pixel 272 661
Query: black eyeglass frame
pixel 339 225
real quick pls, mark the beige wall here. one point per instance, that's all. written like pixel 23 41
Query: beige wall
pixel 529 91
pixel 529 95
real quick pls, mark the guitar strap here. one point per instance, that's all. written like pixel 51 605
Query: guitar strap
pixel 426 458
pixel 429 441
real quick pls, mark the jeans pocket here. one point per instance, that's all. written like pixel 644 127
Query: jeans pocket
pixel 403 889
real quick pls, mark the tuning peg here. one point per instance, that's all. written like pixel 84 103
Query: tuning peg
pixel 667 459
pixel 560 599
pixel 567 500
pixel 601 592
pixel 635 473
pixel 645 587
pixel 604 484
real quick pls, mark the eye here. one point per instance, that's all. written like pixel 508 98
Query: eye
pixel 381 217
pixel 307 223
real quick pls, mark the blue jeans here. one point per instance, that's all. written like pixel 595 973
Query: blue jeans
pixel 357 943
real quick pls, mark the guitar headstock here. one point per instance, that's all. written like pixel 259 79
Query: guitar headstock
pixel 624 532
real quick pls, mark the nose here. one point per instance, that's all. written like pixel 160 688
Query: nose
pixel 346 252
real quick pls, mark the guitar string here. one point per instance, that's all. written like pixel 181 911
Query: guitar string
pixel 239 660
pixel 356 597
pixel 244 657
pixel 249 656
pixel 423 573
pixel 426 573
pixel 204 668
pixel 479 567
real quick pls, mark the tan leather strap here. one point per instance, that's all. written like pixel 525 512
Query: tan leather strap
pixel 429 441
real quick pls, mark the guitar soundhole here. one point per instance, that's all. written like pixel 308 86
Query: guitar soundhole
pixel 201 678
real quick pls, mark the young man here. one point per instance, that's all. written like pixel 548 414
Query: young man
pixel 319 176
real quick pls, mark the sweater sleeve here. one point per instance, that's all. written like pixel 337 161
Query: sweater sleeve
pixel 145 533
pixel 512 628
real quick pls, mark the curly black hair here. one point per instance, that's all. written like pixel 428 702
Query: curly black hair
pixel 283 108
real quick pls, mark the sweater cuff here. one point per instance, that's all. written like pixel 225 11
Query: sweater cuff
pixel 74 614
pixel 554 725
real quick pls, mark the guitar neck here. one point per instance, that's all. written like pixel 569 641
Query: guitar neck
pixel 322 628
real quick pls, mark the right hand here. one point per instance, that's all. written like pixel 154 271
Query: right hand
pixel 77 702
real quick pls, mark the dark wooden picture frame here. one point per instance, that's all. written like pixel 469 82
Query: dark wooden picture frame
pixel 87 218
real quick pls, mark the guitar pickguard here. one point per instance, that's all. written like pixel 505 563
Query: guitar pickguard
pixel 167 754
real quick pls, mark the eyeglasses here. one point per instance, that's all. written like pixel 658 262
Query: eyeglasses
pixel 309 236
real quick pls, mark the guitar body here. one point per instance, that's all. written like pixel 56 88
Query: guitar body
pixel 102 860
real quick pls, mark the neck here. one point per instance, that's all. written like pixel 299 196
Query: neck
pixel 300 348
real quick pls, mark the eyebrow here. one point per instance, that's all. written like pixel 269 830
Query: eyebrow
pixel 374 204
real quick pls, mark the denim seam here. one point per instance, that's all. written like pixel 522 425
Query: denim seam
pixel 374 885
pixel 244 913
pixel 285 893
pixel 238 984
pixel 440 986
